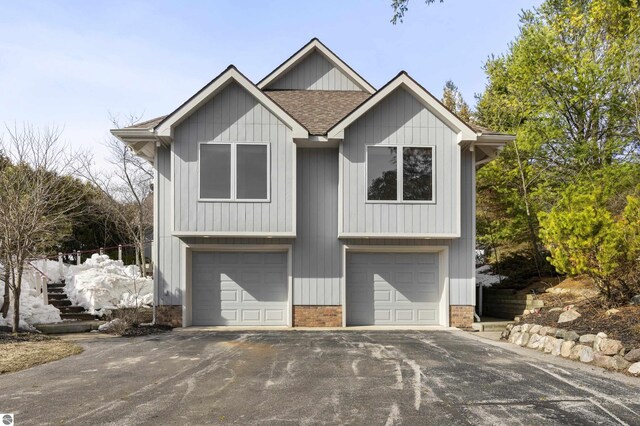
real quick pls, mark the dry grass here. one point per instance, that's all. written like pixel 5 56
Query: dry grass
pixel 22 355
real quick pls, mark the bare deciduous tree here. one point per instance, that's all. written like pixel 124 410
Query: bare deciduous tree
pixel 36 207
pixel 128 189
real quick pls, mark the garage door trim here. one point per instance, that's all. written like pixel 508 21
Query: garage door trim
pixel 443 267
pixel 187 270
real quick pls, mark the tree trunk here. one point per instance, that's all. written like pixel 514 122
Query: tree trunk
pixel 16 300
pixel 6 299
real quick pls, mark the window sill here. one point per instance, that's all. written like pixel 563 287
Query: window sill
pixel 399 202
pixel 227 200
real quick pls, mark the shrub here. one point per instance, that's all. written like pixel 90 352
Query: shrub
pixel 586 235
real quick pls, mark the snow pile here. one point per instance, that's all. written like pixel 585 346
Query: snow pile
pixel 102 284
pixel 32 307
pixel 486 278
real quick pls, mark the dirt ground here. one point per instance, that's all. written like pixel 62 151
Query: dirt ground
pixel 25 350
pixel 622 324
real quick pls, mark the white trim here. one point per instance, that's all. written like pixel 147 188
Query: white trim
pixel 340 188
pixel 294 190
pixel 400 174
pixel 465 133
pixel 155 256
pixel 228 234
pixel 443 269
pixel 165 128
pixel 315 45
pixel 473 228
pixel 233 181
pixel 172 208
pixel 458 212
pixel 415 236
pixel 187 249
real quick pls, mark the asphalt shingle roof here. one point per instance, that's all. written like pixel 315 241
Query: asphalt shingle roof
pixel 317 110
pixel 147 124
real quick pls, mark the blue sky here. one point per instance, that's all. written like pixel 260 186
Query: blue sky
pixel 72 63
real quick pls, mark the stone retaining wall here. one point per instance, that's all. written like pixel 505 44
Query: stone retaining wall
pixel 508 303
pixel 596 349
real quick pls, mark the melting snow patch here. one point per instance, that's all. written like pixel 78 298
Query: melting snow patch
pixel 32 307
pixel 486 278
pixel 102 284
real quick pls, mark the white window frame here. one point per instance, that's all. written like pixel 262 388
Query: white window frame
pixel 234 175
pixel 400 174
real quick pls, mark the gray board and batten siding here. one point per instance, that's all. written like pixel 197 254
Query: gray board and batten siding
pixel 317 250
pixel 400 119
pixel 314 72
pixel 316 255
pixel 233 115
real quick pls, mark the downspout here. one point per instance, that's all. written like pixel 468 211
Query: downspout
pixel 472 148
pixel 156 223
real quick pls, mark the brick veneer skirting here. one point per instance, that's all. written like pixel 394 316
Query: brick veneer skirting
pixel 169 315
pixel 461 316
pixel 317 316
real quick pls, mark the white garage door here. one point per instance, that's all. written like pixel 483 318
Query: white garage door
pixel 237 288
pixel 392 289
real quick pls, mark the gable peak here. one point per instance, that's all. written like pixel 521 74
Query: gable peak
pixel 315 46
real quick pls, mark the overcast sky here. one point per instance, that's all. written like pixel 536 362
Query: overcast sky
pixel 72 63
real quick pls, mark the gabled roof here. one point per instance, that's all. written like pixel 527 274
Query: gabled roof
pixel 230 75
pixel 318 110
pixel 403 80
pixel 148 124
pixel 300 55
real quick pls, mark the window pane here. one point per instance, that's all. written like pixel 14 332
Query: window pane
pixel 382 173
pixel 252 172
pixel 215 171
pixel 417 174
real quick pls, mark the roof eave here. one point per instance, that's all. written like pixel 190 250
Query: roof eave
pixel 141 141
pixel 403 80
pixel 164 129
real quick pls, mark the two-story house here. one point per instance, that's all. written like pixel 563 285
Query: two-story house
pixel 313 199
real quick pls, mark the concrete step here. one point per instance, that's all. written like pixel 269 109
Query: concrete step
pixel 69 327
pixel 491 326
pixel 58 303
pixel 55 285
pixel 57 296
pixel 71 309
pixel 55 290
pixel 78 316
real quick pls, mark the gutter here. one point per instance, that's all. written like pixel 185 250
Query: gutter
pixel 156 223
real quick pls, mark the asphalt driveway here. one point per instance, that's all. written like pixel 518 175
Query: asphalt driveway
pixel 293 377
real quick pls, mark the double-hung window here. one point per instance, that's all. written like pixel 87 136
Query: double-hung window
pixel 400 173
pixel 234 171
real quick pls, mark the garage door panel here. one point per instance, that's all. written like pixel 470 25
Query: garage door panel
pixel 230 258
pixel 392 289
pixel 250 315
pixel 427 314
pixel 235 288
pixel 383 315
pixel 382 296
pixel 405 315
pixel 229 314
pixel 274 315
pixel 227 296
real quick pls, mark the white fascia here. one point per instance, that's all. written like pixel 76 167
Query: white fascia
pixel 315 45
pixel 464 132
pixel 165 128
